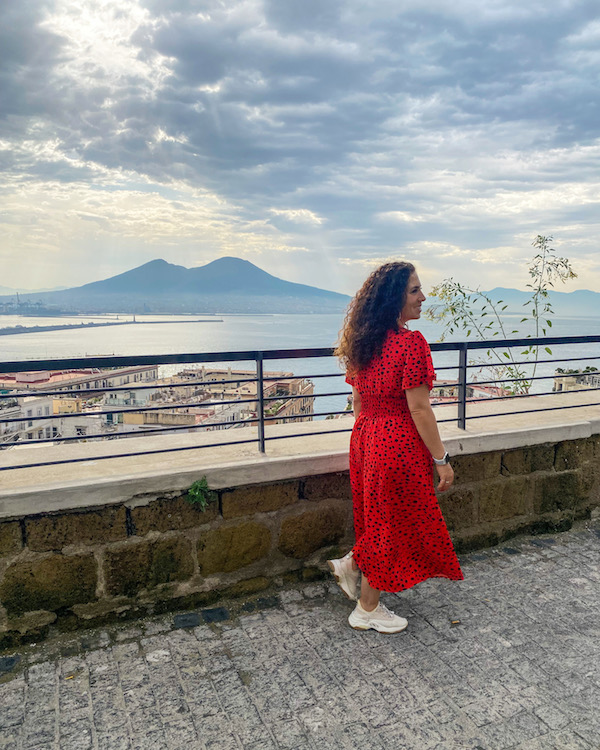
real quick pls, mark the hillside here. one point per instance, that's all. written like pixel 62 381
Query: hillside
pixel 226 285
pixel 582 302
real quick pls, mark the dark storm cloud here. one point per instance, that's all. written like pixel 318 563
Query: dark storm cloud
pixel 27 54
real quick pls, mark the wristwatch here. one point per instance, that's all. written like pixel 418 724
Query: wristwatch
pixel 442 461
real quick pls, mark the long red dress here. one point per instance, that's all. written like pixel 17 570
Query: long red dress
pixel 401 536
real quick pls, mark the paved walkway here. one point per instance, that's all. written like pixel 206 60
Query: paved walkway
pixel 521 668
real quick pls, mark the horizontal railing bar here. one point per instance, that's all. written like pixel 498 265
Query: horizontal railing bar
pixel 82 393
pixel 169 428
pixel 140 360
pixel 530 362
pixel 550 360
pixel 166 407
pixel 128 455
pixel 474 365
pixel 527 395
pixel 510 343
pixel 130 433
pixel 120 410
pixel 303 434
pixel 530 411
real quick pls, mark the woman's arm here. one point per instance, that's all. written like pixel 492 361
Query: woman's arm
pixel 356 402
pixel 425 422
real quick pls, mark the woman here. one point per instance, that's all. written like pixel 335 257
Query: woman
pixel 401 537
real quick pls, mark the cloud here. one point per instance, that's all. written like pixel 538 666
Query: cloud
pixel 298 215
pixel 300 135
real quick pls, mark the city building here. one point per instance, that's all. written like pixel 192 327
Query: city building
pixel 576 380
pixel 447 391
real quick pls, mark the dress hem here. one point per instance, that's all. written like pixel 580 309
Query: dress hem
pixel 450 577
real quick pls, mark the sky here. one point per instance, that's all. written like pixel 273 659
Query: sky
pixel 313 138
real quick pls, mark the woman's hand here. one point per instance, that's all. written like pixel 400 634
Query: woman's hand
pixel 446 475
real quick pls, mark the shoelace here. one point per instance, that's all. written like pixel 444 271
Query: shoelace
pixel 385 611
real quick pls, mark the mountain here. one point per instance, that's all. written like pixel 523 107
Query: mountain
pixel 582 302
pixel 227 285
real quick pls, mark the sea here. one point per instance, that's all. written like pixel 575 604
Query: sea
pixel 177 334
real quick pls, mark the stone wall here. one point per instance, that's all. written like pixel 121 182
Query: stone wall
pixel 154 553
pixel 150 554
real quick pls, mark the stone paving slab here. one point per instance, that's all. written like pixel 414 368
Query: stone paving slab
pixel 507 659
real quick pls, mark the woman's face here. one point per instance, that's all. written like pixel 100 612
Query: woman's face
pixel 414 300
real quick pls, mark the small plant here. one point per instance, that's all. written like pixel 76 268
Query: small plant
pixel 473 312
pixel 200 495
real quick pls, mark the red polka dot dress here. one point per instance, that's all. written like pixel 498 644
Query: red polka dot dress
pixel 401 536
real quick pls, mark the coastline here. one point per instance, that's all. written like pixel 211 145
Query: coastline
pixel 17 330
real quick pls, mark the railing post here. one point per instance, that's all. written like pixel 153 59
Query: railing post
pixel 260 387
pixel 462 386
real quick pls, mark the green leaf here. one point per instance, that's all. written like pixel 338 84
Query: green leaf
pixel 549 323
pixel 506 354
pixel 547 348
pixel 200 495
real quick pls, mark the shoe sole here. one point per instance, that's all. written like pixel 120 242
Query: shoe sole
pixel 339 582
pixel 378 630
pixel 373 627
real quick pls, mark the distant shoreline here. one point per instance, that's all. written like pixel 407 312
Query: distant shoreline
pixel 17 330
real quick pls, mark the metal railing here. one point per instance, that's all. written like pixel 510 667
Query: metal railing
pixel 262 416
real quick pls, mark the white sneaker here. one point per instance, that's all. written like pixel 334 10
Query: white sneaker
pixel 345 577
pixel 380 619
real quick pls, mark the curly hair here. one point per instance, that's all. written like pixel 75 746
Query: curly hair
pixel 373 312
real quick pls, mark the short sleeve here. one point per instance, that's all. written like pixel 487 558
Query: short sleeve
pixel 350 379
pixel 418 367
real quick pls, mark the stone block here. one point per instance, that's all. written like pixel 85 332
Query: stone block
pixel 559 491
pixel 328 486
pixel 528 460
pixel 506 498
pixel 573 454
pixel 169 514
pixel 49 583
pixel 262 498
pixel 476 467
pixel 594 442
pixel 132 567
pixel 307 532
pixel 32 622
pixel 250 586
pixel 459 506
pixel 52 533
pixel 11 540
pixel 229 548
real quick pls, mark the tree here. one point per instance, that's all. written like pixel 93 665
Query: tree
pixel 473 312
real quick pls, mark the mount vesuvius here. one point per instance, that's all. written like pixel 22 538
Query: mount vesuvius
pixel 226 285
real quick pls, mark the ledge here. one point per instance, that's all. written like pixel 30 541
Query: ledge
pixel 135 480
